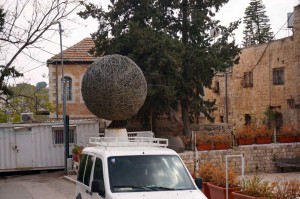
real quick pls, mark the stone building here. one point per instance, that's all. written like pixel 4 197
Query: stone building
pixel 76 60
pixel 267 76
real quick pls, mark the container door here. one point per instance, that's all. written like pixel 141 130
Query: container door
pixel 24 148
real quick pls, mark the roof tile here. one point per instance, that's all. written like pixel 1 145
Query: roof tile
pixel 78 52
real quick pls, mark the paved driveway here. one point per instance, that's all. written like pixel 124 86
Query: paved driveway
pixel 37 186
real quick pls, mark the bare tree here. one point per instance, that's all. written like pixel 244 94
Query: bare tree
pixel 23 24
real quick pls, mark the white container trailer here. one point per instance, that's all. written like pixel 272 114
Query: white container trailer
pixel 38 146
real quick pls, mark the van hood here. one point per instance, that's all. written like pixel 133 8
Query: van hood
pixel 190 194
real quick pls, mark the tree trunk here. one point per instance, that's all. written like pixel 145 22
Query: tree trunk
pixel 185 118
pixel 153 122
pixel 185 106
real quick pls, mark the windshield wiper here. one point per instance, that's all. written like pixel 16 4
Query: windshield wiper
pixel 145 188
pixel 160 188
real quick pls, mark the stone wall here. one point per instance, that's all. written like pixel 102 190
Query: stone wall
pixel 258 158
pixel 253 100
pixel 75 107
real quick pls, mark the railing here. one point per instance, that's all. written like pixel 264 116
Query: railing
pixel 128 142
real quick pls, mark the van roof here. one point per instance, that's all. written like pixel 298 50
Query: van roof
pixel 128 141
pixel 125 151
pixel 121 146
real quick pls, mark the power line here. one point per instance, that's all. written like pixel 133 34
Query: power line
pixel 34 68
pixel 32 57
pixel 40 48
pixel 37 54
pixel 269 42
pixel 40 37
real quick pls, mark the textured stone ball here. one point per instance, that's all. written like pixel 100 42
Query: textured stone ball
pixel 114 87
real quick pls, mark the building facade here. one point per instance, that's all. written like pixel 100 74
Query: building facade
pixel 267 77
pixel 76 60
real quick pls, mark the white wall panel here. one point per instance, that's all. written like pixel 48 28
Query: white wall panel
pixel 45 153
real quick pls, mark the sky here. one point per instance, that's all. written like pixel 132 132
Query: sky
pixel 37 71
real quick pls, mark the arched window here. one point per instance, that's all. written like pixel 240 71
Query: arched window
pixel 68 87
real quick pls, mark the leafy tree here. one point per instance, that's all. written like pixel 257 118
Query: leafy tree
pixel 26 98
pixel 257 27
pixel 3 117
pixel 170 41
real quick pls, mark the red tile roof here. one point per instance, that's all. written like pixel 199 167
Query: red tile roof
pixel 79 52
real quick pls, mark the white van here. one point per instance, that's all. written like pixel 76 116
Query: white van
pixel 132 168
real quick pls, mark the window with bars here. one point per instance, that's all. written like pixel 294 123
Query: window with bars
pixel 58 135
pixel 68 87
pixel 248 79
pixel 278 76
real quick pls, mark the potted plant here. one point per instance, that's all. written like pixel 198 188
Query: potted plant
pixel 245 135
pixel 205 172
pixel 254 187
pixel 222 141
pixel 286 189
pixel 263 135
pixel 76 151
pixel 287 133
pixel 204 142
pixel 217 186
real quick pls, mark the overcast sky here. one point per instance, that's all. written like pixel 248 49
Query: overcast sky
pixel 36 71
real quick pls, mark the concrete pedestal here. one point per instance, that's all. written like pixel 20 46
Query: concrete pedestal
pixel 121 133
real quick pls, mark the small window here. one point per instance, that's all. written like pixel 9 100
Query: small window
pixel 222 119
pixel 98 176
pixel 58 135
pixel 88 170
pixel 216 88
pixel 248 79
pixel 247 119
pixel 82 164
pixel 98 170
pixel 68 87
pixel 278 76
pixel 278 120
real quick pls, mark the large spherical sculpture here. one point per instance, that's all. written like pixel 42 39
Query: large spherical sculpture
pixel 114 88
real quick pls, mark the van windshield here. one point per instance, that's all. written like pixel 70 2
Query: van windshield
pixel 148 173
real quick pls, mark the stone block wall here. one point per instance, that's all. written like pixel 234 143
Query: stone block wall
pixel 253 100
pixel 258 158
pixel 76 107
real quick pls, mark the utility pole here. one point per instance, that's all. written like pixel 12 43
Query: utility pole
pixel 65 118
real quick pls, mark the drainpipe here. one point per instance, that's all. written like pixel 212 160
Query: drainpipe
pixel 225 99
pixel 56 82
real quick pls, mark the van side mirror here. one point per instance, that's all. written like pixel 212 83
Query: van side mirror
pixel 198 182
pixel 98 187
